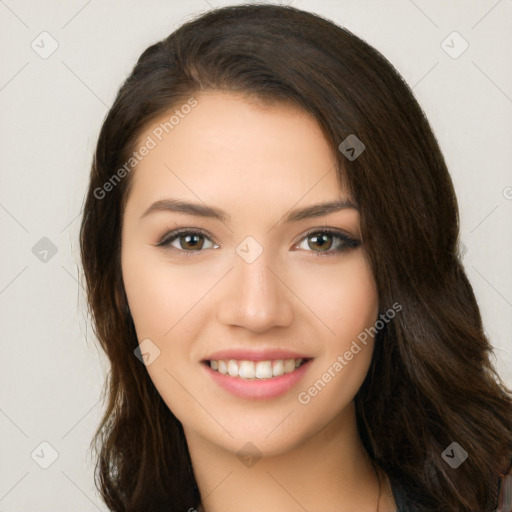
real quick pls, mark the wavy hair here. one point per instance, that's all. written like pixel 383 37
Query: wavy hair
pixel 431 381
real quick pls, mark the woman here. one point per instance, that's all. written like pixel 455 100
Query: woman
pixel 270 248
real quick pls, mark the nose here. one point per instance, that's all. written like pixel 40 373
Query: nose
pixel 255 297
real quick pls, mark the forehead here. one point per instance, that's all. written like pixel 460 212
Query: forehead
pixel 227 143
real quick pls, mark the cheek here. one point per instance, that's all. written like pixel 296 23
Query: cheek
pixel 158 293
pixel 163 300
pixel 357 302
pixel 343 297
pixel 348 305
pixel 147 291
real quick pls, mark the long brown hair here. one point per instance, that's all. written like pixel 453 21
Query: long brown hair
pixel 431 381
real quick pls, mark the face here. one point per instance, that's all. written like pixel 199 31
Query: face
pixel 250 274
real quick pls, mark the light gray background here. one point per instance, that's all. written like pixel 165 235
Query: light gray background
pixel 52 110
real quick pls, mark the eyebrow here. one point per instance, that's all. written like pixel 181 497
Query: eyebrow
pixel 202 210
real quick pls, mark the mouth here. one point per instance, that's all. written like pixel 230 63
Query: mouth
pixel 257 380
pixel 255 370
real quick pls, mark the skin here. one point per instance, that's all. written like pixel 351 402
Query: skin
pixel 257 163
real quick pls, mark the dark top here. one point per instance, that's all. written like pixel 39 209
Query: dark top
pixel 403 505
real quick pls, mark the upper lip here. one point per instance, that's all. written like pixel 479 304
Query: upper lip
pixel 243 354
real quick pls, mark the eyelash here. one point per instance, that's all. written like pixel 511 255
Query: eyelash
pixel 348 241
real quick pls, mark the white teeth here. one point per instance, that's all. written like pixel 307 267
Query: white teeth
pixel 255 369
pixel 232 368
pixel 264 370
pixel 246 370
pixel 289 365
pixel 278 368
pixel 223 367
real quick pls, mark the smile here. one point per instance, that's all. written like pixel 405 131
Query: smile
pixel 257 379
pixel 255 369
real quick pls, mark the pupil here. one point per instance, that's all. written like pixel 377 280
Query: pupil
pixel 322 240
pixel 188 239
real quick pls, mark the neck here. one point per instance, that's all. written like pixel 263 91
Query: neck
pixel 330 467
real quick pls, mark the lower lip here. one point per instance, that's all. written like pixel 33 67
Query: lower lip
pixel 258 388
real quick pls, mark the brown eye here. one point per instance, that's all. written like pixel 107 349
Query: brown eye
pixel 192 242
pixel 328 242
pixel 186 241
pixel 323 242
